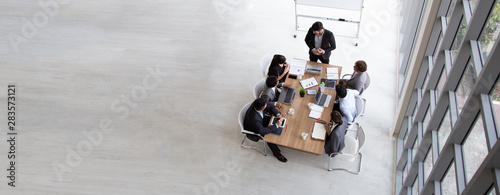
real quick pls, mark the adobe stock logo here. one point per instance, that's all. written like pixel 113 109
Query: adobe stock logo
pixel 39 20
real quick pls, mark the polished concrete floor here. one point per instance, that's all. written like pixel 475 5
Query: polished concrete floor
pixel 142 97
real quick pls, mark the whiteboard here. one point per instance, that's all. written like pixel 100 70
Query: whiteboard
pixel 339 4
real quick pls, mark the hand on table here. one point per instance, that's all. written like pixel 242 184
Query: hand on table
pixel 287 85
pixel 280 122
pixel 283 115
pixel 279 105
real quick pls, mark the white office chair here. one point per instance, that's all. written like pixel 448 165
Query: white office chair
pixel 265 62
pixel 241 118
pixel 350 152
pixel 259 87
pixel 360 108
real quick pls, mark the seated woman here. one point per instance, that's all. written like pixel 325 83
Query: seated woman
pixel 359 79
pixel 279 68
pixel 337 127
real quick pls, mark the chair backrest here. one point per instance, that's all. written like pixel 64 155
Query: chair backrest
pixel 367 82
pixel 243 113
pixel 361 138
pixel 265 62
pixel 360 105
pixel 259 87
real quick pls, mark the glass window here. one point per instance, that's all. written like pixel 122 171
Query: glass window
pixel 442 81
pixel 427 118
pixel 465 85
pixel 473 4
pixel 493 191
pixel 474 149
pixel 459 37
pixel 444 130
pixel 490 32
pixel 414 188
pixel 450 10
pixel 428 164
pixel 414 150
pixel 405 171
pixel 495 98
pixel 449 183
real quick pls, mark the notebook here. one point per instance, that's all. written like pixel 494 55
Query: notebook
pixel 332 73
pixel 319 131
pixel 316 111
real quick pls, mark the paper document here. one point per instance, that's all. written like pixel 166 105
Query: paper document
pixel 316 111
pixel 296 70
pixel 319 131
pixel 332 73
pixel 310 82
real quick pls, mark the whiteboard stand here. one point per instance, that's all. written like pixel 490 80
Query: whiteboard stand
pixel 337 14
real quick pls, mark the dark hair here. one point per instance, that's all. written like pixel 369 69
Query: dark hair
pixel 259 103
pixel 278 59
pixel 336 117
pixel 317 26
pixel 271 81
pixel 341 91
pixel 360 65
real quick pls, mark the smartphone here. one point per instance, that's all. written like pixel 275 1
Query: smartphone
pixel 292 76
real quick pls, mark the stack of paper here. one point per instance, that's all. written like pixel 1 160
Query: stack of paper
pixel 310 82
pixel 319 131
pixel 332 73
pixel 316 111
pixel 296 70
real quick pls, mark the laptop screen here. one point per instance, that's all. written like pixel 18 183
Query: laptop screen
pixel 318 96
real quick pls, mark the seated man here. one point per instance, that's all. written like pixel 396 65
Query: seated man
pixel 337 126
pixel 346 102
pixel 254 121
pixel 270 92
pixel 359 79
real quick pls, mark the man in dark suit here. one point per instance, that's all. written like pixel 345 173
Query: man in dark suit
pixel 254 121
pixel 321 42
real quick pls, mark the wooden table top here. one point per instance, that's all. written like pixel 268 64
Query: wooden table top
pixel 300 122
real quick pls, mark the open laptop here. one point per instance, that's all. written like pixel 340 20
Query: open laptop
pixel 322 99
pixel 287 95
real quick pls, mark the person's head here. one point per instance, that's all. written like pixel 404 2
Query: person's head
pixel 259 104
pixel 341 91
pixel 336 117
pixel 360 66
pixel 272 81
pixel 278 59
pixel 317 28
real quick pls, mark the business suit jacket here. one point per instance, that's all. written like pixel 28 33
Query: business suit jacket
pixel 254 122
pixel 335 142
pixel 327 44
pixel 358 81
pixel 269 94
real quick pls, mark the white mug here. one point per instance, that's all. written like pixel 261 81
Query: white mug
pixel 304 136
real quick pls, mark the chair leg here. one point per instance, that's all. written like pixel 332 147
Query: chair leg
pixel 243 146
pixel 348 170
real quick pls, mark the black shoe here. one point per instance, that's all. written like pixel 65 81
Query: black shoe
pixel 281 158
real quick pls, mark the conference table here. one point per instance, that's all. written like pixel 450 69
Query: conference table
pixel 300 122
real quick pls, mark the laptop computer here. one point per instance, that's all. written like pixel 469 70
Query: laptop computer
pixel 287 95
pixel 322 99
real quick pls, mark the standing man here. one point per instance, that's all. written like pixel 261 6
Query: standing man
pixel 321 42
